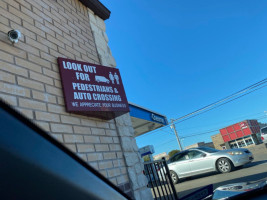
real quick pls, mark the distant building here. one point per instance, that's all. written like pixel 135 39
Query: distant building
pixel 242 134
pixel 200 144
pixel 218 141
pixel 160 156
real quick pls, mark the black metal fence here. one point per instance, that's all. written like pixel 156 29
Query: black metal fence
pixel 159 180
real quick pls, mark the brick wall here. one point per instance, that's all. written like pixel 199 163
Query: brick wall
pixel 257 149
pixel 217 141
pixel 30 80
pixel 137 186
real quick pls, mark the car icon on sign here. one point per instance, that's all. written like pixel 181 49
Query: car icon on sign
pixel 101 79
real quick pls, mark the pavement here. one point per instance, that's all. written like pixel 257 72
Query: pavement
pixel 253 171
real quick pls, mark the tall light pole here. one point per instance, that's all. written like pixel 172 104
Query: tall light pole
pixel 182 142
pixel 176 134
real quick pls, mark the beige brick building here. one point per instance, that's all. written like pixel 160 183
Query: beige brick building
pixel 200 144
pixel 30 82
pixel 218 141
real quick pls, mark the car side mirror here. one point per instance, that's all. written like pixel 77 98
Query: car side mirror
pixel 204 155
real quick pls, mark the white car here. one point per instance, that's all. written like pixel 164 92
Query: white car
pixel 201 160
pixel 102 79
pixel 264 134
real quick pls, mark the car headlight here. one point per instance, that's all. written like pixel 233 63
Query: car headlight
pixel 235 153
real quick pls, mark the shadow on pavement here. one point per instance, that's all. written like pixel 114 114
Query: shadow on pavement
pixel 252 164
pixel 199 176
pixel 253 177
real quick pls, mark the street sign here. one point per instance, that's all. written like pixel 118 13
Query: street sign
pixel 92 89
pixel 146 150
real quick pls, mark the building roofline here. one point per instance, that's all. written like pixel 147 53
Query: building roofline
pixel 97 7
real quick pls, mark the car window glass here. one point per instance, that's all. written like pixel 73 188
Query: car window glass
pixel 175 158
pixel 264 130
pixel 208 149
pixel 184 157
pixel 180 157
pixel 195 154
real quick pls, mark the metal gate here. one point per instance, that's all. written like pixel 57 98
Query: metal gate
pixel 159 180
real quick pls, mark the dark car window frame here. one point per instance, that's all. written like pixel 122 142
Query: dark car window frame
pixel 200 154
pixel 208 150
pixel 180 155
pixel 13 121
pixel 264 130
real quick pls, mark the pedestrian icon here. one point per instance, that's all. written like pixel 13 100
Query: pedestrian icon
pixel 111 77
pixel 114 77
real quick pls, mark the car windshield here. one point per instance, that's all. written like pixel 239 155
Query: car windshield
pixel 148 93
pixel 208 150
pixel 264 130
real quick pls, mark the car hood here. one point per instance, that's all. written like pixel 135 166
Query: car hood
pixel 236 189
pixel 230 150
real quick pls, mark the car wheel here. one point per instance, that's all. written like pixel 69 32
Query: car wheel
pixel 224 165
pixel 174 177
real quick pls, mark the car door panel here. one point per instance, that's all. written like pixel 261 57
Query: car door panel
pixel 201 165
pixel 200 162
pixel 182 168
pixel 181 165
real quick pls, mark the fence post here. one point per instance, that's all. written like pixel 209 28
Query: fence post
pixel 169 177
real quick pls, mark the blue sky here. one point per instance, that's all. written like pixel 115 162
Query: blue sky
pixel 178 56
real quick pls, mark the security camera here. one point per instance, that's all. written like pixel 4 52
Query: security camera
pixel 14 36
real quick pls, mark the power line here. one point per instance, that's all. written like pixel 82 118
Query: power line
pixel 215 130
pixel 224 99
pixel 155 131
pixel 171 133
pixel 222 104
pixel 166 142
pixel 202 133
pixel 255 85
pixel 210 131
pixel 174 139
pixel 206 132
pixel 240 117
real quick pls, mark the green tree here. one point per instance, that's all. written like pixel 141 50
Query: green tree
pixel 146 158
pixel 171 153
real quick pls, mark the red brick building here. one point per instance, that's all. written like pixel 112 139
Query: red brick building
pixel 241 134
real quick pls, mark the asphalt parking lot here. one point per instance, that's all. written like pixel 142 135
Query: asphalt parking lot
pixel 251 172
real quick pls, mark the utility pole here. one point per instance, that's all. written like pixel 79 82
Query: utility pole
pixel 176 134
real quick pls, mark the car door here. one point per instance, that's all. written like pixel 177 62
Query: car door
pixel 180 164
pixel 200 162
